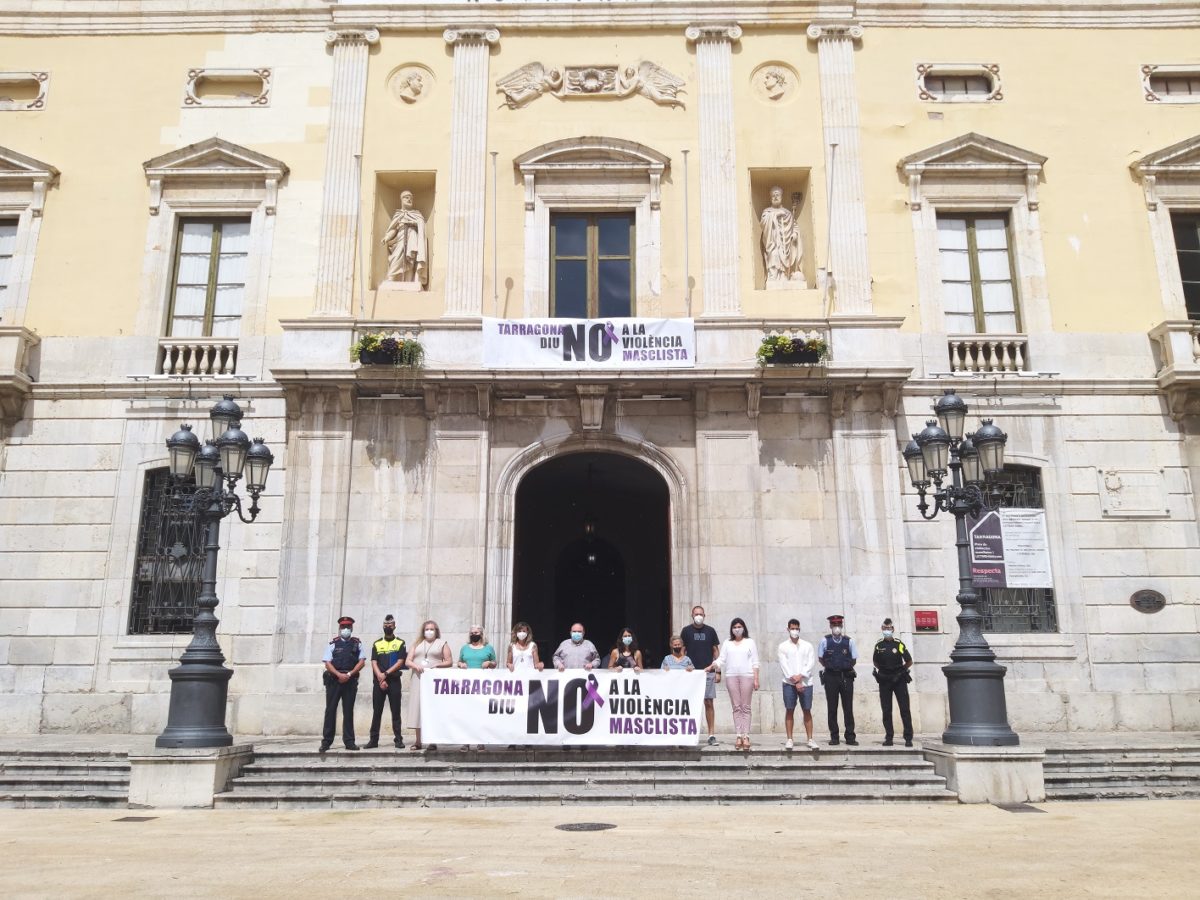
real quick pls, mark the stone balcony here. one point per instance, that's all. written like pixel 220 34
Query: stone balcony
pixel 197 356
pixel 1177 355
pixel 989 353
pixel 16 342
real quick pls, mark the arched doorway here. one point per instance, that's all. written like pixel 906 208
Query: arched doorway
pixel 592 544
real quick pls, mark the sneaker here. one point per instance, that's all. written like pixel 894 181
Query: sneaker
pixel 712 740
pixel 813 745
pixel 787 745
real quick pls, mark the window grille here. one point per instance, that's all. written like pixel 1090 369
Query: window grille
pixel 1019 610
pixel 169 563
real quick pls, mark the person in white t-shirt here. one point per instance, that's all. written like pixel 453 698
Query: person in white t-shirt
pixel 798 662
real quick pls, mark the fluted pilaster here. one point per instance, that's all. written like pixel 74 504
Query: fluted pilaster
pixel 468 169
pixel 718 170
pixel 849 262
pixel 339 202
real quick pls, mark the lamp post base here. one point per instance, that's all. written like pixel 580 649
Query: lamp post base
pixel 197 714
pixel 978 712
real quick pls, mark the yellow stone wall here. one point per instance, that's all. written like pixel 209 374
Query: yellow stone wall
pixel 1073 96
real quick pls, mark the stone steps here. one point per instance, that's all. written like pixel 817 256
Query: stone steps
pixel 1113 772
pixel 54 778
pixel 282 778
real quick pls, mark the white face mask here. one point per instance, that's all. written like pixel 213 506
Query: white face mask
pixel 738 632
pixel 699 620
pixel 521 635
pixel 837 630
pixel 429 634
pixel 577 636
pixel 794 633
pixel 888 633
pixel 345 632
pixel 627 640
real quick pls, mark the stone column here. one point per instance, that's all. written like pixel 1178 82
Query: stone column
pixel 718 171
pixel 848 261
pixel 468 169
pixel 339 201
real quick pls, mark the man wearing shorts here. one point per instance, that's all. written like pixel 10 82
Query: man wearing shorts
pixel 798 661
pixel 702 645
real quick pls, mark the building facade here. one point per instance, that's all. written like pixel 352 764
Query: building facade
pixel 199 199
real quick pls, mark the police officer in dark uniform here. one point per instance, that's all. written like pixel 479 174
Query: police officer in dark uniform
pixel 387 663
pixel 837 656
pixel 343 659
pixel 892 662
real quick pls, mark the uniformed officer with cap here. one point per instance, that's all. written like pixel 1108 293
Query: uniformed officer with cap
pixel 837 656
pixel 343 659
pixel 892 662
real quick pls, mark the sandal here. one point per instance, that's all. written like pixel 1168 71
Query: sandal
pixel 415 747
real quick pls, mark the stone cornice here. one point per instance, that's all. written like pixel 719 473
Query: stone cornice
pixel 19 17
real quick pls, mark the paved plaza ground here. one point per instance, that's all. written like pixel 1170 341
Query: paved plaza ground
pixel 1065 850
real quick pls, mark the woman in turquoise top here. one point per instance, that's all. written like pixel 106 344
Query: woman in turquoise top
pixel 478 653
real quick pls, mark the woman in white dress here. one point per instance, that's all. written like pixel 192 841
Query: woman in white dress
pixel 431 652
pixel 522 651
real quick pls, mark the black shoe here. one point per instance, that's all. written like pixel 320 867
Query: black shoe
pixel 400 745
pixel 370 745
pixel 834 742
pixel 353 747
pixel 324 748
pixel 908 743
pixel 888 742
pixel 850 743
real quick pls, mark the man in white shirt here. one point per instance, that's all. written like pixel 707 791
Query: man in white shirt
pixel 798 661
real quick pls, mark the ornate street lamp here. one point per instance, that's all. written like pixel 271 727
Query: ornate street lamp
pixel 200 683
pixel 974 680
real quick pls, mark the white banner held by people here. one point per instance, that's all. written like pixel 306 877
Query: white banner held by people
pixel 582 344
pixel 576 707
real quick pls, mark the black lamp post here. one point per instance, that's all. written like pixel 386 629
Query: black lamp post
pixel 974 681
pixel 200 683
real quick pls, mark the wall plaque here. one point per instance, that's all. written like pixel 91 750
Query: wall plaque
pixel 1148 601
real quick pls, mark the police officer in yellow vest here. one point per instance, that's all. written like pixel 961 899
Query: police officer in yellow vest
pixel 388 655
pixel 892 662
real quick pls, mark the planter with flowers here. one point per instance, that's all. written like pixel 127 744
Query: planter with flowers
pixel 379 348
pixel 792 350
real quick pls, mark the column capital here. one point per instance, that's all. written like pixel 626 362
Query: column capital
pixel 714 31
pixel 351 36
pixel 824 31
pixel 487 35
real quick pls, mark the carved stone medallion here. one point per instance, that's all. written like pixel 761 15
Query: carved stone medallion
pixel 410 84
pixel 775 83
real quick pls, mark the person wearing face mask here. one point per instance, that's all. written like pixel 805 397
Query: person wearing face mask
pixel 387 662
pixel 522 651
pixel 892 662
pixel 344 658
pixel 625 653
pixel 576 652
pixel 702 645
pixel 838 655
pixel 478 653
pixel 677 659
pixel 738 659
pixel 431 652
pixel 798 662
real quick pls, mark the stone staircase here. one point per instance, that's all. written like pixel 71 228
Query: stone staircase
pixel 55 778
pixel 295 778
pixel 1115 771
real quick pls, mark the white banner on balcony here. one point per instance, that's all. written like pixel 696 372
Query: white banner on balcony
pixel 589 343
pixel 603 708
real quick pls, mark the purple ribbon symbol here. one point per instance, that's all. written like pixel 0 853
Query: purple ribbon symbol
pixel 593 693
pixel 612 333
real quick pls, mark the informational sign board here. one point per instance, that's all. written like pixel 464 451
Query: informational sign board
pixel 1009 549
pixel 589 344
pixel 576 707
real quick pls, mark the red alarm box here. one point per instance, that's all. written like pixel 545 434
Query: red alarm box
pixel 926 619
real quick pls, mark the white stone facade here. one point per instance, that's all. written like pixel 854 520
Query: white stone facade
pixel 397 493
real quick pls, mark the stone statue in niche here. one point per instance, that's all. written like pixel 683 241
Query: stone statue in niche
pixel 407 246
pixel 782 249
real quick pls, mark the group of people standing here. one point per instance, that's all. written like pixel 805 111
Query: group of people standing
pixel 696 647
